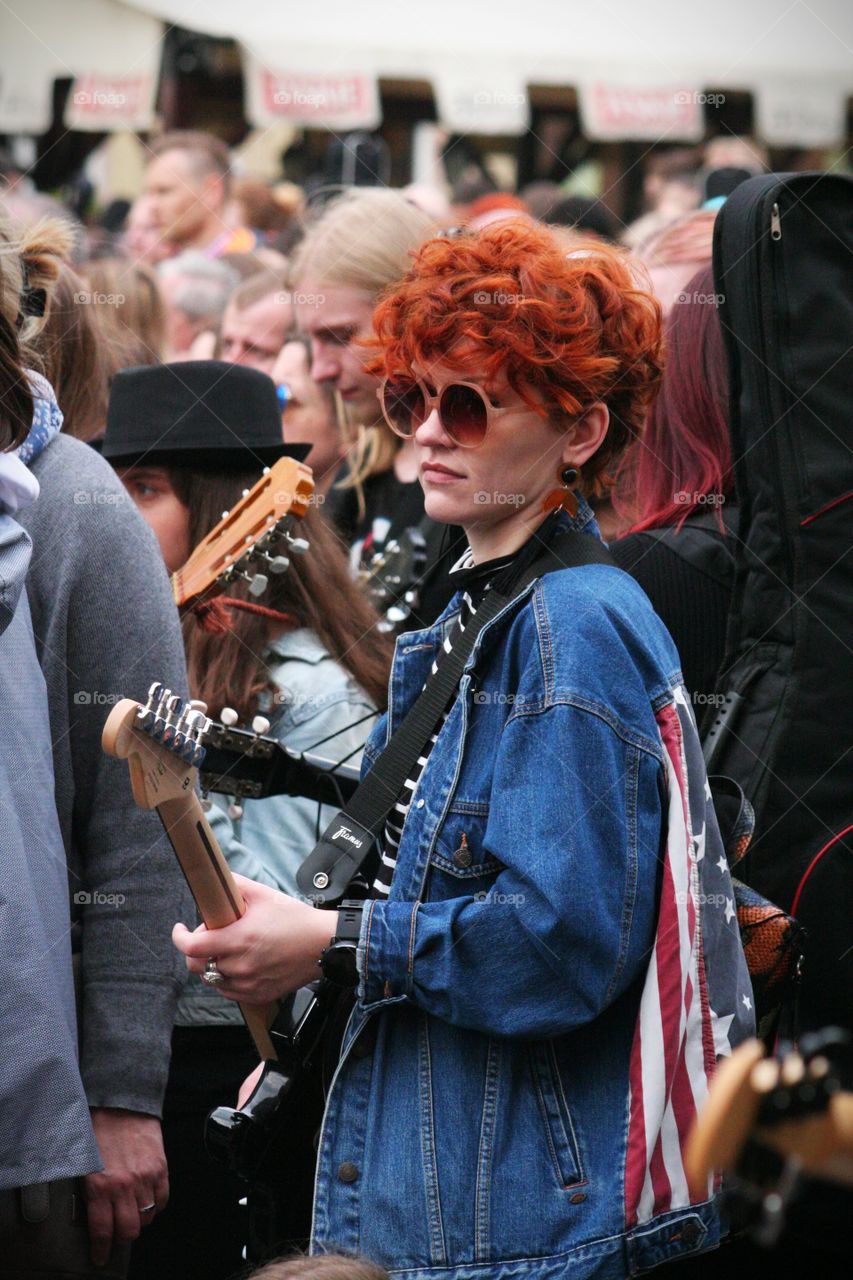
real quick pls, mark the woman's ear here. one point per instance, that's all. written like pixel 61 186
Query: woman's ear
pixel 587 434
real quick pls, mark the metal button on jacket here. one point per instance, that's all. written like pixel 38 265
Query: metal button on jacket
pixel 463 856
pixel 348 1172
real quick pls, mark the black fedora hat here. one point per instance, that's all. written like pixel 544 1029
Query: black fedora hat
pixel 198 413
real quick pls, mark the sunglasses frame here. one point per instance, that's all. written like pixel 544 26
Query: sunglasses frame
pixel 433 402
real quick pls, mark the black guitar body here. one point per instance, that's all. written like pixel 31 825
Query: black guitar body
pixel 271 1142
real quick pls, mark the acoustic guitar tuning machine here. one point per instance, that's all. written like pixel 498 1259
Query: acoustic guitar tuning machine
pixel 229 717
pixel 298 546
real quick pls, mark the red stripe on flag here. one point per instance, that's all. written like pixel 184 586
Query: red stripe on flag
pixel 635 1156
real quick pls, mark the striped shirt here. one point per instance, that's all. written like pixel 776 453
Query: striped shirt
pixel 474 581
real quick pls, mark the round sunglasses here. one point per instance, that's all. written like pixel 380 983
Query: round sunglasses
pixel 464 408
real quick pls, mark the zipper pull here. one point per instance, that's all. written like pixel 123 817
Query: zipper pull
pixel 775 223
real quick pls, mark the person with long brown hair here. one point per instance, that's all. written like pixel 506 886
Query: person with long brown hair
pixel 187 441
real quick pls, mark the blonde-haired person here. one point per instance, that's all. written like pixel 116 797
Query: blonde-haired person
pixel 74 355
pixel 130 309
pixel 330 1266
pixel 361 244
pixel 90 548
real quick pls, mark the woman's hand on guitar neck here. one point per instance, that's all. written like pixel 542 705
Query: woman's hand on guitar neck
pixel 270 951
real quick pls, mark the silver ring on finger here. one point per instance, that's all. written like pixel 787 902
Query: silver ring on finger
pixel 211 974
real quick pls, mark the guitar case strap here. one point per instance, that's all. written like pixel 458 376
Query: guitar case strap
pixel 328 870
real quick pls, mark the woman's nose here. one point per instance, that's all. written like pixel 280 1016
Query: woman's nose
pixel 432 432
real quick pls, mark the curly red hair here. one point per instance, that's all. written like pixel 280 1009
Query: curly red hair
pixel 567 330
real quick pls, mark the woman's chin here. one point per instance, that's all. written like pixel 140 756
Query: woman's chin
pixel 442 508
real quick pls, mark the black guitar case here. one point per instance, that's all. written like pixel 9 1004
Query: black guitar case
pixel 783 261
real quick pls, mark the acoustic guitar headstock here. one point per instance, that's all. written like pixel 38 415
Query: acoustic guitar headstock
pixel 254 539
pixel 162 742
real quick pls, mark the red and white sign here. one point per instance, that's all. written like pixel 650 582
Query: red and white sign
pixel 618 112
pixel 110 102
pixel 333 101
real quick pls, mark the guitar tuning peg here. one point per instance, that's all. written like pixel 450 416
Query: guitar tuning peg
pixel 298 545
pixel 235 811
pixel 225 515
pixel 278 564
pixel 229 717
pixel 198 705
pixel 265 471
pixel 258 584
pixel 261 725
pixel 245 493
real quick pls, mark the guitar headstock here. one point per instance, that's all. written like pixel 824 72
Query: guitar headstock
pixel 392 577
pixel 162 743
pixel 765 1117
pixel 240 546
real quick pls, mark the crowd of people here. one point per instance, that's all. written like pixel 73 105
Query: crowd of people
pixel 538 991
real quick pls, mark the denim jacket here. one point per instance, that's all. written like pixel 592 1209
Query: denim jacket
pixel 544 994
pixel 318 702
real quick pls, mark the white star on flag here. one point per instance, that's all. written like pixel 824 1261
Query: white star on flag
pixel 723 864
pixel 730 911
pixel 747 1002
pixel 720 1027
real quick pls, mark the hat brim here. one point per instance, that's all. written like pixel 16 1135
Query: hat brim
pixel 235 459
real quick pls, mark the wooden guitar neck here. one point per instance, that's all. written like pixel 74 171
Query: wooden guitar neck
pixel 212 885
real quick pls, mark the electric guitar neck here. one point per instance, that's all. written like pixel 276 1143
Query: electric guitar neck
pixel 162 743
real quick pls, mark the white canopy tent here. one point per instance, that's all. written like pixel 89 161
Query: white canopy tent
pixel 641 70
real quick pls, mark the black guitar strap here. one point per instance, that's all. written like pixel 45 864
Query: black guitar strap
pixel 345 844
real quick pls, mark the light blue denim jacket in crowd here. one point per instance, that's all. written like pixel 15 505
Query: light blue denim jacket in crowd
pixel 511 1101
pixel 318 703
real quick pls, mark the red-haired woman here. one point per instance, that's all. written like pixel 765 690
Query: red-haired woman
pixel 674 491
pixel 542 987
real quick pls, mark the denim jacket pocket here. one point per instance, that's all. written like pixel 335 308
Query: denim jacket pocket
pixel 556 1118
pixel 460 863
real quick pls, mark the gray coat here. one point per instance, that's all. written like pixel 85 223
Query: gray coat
pixel 106 627
pixel 45 1130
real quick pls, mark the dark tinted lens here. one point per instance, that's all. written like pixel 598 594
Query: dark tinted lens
pixel 463 414
pixel 403 403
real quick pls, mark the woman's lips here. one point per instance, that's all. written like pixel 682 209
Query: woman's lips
pixel 437 474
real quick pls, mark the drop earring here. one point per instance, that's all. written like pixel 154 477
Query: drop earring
pixel 563 497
